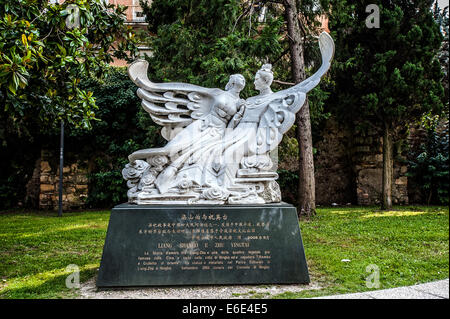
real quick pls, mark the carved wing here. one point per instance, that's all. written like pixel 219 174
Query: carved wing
pixel 171 105
pixel 280 114
pixel 277 120
pixel 326 45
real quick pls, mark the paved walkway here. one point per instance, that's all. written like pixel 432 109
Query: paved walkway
pixel 432 290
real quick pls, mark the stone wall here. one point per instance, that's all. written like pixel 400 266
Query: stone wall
pixel 349 165
pixel 75 182
pixel 33 186
pixel 333 166
pixel 416 137
pixel 368 167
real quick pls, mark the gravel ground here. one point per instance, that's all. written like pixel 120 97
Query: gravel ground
pixel 88 290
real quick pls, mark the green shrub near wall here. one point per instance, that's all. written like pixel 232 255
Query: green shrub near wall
pixel 429 167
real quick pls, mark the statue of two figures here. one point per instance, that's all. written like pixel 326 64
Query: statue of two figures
pixel 219 145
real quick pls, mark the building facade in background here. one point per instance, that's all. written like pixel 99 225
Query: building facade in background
pixel 134 18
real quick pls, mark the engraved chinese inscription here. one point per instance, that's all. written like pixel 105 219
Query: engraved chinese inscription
pixel 209 242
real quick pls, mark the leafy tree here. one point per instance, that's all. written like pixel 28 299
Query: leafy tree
pixel 428 165
pixel 441 15
pixel 386 77
pixel 45 52
pixel 203 42
pixel 122 127
pixel 43 64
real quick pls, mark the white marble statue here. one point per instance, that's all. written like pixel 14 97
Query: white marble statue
pixel 219 145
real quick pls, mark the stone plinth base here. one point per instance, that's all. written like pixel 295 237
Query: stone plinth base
pixel 156 245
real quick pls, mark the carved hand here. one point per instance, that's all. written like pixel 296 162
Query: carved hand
pixel 238 116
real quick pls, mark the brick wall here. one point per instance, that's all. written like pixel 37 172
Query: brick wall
pixel 368 167
pixel 75 183
pixel 333 166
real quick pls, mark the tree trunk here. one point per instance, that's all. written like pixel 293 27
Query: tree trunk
pixel 388 168
pixel 306 183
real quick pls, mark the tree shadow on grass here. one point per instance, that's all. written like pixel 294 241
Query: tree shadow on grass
pixel 53 288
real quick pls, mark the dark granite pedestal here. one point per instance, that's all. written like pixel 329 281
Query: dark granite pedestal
pixel 162 245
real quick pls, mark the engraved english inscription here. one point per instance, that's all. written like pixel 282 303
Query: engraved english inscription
pixel 205 242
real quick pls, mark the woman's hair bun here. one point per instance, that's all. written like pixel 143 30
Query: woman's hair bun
pixel 267 67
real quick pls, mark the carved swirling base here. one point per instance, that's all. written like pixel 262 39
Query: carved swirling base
pixel 253 187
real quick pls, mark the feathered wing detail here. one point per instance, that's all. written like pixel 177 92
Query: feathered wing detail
pixel 171 105
pixel 277 120
pixel 280 114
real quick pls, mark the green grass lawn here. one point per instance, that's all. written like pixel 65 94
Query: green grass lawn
pixel 36 248
pixel 409 245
